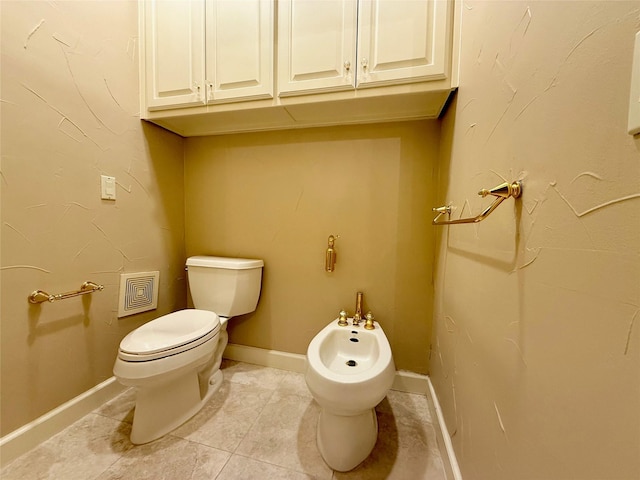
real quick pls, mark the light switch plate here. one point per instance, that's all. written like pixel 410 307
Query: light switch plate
pixel 634 96
pixel 108 187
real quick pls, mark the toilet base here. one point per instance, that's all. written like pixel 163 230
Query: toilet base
pixel 165 407
pixel 345 441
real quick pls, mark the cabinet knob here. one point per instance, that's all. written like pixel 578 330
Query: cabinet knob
pixel 196 89
pixel 347 72
pixel 365 64
pixel 209 91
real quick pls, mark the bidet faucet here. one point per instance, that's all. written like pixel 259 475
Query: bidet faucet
pixel 357 317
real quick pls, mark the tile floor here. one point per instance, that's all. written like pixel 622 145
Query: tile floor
pixel 260 425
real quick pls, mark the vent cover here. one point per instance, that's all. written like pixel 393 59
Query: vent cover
pixel 138 292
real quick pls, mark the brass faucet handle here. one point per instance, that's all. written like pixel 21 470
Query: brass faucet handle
pixel 368 324
pixel 343 319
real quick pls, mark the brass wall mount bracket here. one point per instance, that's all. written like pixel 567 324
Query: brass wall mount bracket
pixel 501 192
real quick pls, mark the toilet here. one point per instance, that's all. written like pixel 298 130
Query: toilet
pixel 350 370
pixel 174 360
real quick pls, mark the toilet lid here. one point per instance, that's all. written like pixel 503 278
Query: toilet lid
pixel 170 331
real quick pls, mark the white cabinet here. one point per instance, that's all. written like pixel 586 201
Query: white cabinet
pixel 401 41
pixel 398 41
pixel 208 66
pixel 239 50
pixel 173 56
pixel 206 51
pixel 316 45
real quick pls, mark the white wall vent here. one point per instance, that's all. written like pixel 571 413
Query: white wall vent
pixel 138 292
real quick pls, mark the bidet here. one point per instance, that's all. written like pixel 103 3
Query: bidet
pixel 349 371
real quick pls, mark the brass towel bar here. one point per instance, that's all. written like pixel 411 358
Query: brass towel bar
pixel 502 192
pixel 38 296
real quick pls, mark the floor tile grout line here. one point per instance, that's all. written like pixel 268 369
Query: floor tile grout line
pixel 225 464
pixel 254 421
pixel 273 464
pixel 170 434
pixel 267 401
pixel 109 417
pixel 120 454
pixel 275 391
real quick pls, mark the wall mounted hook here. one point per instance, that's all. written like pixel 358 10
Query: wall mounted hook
pixel 330 255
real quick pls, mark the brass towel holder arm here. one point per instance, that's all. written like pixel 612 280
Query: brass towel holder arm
pixel 501 192
pixel 38 296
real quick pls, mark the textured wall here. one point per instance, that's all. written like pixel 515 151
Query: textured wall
pixel 536 357
pixel 69 114
pixel 279 195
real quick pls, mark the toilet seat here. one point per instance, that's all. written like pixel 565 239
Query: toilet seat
pixel 169 335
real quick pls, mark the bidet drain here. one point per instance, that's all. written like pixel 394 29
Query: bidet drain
pixel 351 363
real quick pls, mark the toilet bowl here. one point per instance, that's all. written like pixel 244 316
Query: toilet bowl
pixel 174 360
pixel 349 371
pixel 162 359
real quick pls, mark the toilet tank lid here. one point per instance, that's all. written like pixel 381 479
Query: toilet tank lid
pixel 224 262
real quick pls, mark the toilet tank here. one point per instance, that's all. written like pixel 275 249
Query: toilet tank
pixel 226 286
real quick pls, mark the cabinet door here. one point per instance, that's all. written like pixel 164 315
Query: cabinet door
pixel 239 49
pixel 316 45
pixel 174 52
pixel 401 41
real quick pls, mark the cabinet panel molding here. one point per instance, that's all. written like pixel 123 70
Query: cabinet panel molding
pixel 239 50
pixel 316 45
pixel 174 52
pixel 402 41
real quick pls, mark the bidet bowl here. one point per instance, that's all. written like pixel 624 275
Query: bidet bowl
pixel 349 369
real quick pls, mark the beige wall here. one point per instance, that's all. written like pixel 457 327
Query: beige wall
pixel 536 339
pixel 69 114
pixel 279 195
pixel 536 359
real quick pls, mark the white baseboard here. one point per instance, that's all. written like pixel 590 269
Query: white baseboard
pixel 292 362
pixel 404 381
pixel 452 469
pixel 25 438
pixel 410 382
